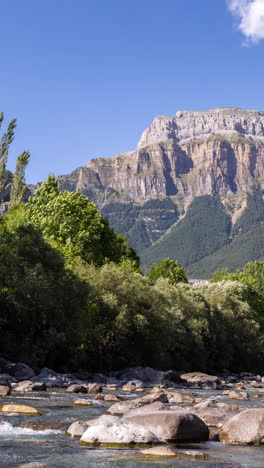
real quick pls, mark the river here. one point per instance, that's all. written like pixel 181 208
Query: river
pixel 42 439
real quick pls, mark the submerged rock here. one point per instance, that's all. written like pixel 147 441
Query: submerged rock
pixel 165 451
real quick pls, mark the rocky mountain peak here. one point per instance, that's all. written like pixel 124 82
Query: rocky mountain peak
pixel 200 125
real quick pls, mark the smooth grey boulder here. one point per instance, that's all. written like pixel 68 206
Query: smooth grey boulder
pixel 246 428
pixel 113 431
pixel 174 425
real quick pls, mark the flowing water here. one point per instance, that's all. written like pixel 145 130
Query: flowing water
pixel 42 439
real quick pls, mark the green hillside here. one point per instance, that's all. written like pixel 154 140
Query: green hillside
pixel 246 247
pixel 205 228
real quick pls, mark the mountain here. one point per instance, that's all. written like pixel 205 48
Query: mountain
pixel 192 190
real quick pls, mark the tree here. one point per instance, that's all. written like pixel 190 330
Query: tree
pixel 40 301
pixel 19 185
pixel 71 223
pixel 168 268
pixel 6 140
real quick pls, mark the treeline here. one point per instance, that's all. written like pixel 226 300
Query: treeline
pixel 72 296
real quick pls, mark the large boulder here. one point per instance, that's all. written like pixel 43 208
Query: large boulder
pixel 215 413
pixel 244 428
pixel 199 378
pixel 147 375
pixel 53 379
pixel 113 431
pixel 22 371
pixel 28 386
pixel 233 395
pixel 173 425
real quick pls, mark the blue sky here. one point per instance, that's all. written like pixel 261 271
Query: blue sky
pixel 84 78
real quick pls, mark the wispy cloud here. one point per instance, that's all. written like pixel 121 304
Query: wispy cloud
pixel 250 16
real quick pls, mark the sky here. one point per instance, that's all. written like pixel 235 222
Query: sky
pixel 84 78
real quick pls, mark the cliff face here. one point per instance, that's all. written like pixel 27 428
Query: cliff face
pixel 187 126
pixel 215 166
pixel 148 193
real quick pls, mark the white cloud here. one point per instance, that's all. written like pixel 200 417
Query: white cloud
pixel 250 15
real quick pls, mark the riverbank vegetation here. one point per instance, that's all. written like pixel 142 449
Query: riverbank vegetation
pixel 73 297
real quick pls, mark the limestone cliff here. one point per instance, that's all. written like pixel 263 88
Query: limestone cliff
pixel 146 193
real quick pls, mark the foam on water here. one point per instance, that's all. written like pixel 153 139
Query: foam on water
pixel 7 428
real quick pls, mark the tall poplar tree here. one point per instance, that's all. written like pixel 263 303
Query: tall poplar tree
pixel 19 185
pixel 6 140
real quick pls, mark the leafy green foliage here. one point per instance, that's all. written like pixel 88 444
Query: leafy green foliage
pixel 167 268
pixel 6 141
pixel 40 301
pixel 71 223
pixel 19 185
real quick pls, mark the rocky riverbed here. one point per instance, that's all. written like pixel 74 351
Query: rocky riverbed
pixel 134 418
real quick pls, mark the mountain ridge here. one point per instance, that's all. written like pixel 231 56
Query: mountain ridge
pixel 147 193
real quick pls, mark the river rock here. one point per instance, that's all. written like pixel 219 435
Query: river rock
pixel 174 397
pixel 151 408
pixel 233 395
pixel 147 375
pixel 4 390
pixel 199 378
pixel 77 429
pixel 76 388
pixel 159 451
pixel 83 403
pixel 214 413
pixel 28 386
pixel 18 409
pixel 123 406
pixel 164 451
pixel 152 397
pixel 174 426
pixel 114 431
pixel 32 465
pixel 244 428
pixel 94 388
pixel 112 397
